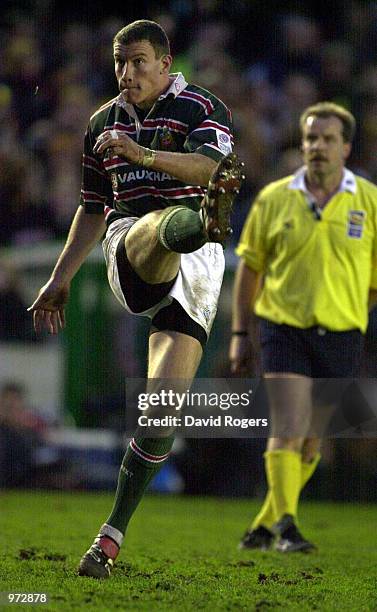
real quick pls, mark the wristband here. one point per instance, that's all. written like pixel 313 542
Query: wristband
pixel 240 333
pixel 148 158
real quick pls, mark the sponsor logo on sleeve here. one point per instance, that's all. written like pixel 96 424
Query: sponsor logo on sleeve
pixel 223 142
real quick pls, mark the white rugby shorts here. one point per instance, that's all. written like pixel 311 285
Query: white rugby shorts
pixel 196 288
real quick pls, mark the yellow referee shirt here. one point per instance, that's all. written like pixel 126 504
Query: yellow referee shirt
pixel 318 265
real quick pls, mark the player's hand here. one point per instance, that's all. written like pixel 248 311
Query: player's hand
pixel 48 308
pixel 120 144
pixel 241 356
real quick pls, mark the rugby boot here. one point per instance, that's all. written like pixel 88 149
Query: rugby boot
pixel 98 561
pixel 290 539
pixel 257 539
pixel 223 187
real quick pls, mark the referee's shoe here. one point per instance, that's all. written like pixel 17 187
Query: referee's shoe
pixel 289 537
pixel 259 538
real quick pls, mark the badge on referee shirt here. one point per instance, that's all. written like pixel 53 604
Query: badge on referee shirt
pixel 355 224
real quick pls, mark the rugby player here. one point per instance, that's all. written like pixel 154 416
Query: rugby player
pixel 309 264
pixel 159 172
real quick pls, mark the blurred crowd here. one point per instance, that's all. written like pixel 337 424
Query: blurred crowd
pixel 267 65
pixel 26 457
pixel 267 61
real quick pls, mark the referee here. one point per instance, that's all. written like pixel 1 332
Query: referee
pixel 308 265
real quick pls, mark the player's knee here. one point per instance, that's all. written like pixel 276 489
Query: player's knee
pixel 143 232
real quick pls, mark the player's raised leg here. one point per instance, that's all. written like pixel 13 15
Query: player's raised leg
pixel 154 244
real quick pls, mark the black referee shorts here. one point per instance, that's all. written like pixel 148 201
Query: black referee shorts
pixel 313 352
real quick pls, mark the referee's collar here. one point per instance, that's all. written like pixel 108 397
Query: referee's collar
pixel 348 181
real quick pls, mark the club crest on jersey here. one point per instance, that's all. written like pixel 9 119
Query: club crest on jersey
pixel 164 140
pixel 355 223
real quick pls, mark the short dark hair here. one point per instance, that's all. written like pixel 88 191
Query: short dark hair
pixel 143 29
pixel 324 110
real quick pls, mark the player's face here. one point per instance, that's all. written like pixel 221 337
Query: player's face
pixel 141 76
pixel 324 149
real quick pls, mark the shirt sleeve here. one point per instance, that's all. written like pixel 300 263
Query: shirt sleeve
pixel 212 136
pixel 96 191
pixel 252 244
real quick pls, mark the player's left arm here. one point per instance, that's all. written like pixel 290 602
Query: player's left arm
pixel 209 140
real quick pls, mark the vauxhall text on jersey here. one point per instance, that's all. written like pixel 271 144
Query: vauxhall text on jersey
pixel 185 119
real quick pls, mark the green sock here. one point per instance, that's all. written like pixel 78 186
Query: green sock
pixel 143 459
pixel 181 230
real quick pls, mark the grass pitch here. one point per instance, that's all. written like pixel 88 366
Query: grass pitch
pixel 180 554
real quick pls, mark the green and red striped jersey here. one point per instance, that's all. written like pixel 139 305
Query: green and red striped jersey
pixel 185 119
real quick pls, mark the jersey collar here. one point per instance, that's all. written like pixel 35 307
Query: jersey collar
pixel 298 182
pixel 177 84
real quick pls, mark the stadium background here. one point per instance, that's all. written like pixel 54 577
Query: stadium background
pixel 267 61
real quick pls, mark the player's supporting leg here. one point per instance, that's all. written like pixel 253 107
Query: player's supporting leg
pixel 287 474
pixel 172 355
pixel 154 243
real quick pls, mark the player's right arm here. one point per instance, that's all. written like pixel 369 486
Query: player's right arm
pixel 87 228
pixel 48 309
